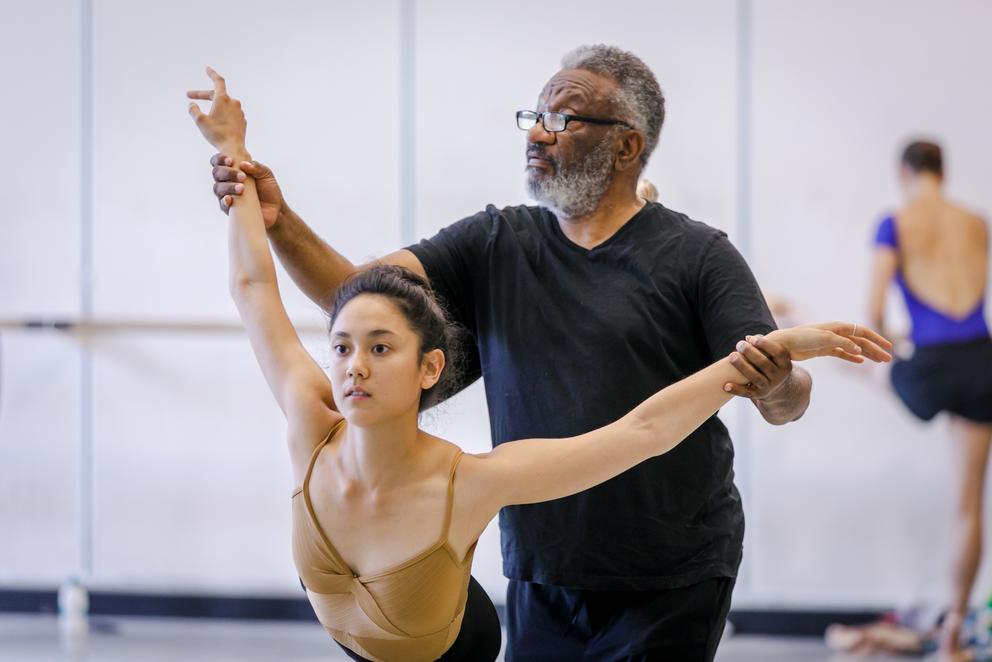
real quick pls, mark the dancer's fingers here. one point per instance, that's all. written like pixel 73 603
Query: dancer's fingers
pixel 220 86
pixel 841 354
pixel 873 350
pixel 871 335
pixel 195 112
pixel 203 95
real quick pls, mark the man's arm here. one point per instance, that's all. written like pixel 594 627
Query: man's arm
pixel 790 401
pixel 315 267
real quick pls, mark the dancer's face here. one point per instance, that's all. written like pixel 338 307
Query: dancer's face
pixel 569 171
pixel 377 371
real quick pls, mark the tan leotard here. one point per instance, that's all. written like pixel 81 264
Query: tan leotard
pixel 412 611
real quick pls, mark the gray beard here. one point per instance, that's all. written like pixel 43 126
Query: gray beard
pixel 575 190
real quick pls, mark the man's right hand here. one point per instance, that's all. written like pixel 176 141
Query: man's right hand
pixel 228 183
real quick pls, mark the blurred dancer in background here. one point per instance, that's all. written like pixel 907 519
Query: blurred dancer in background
pixel 936 252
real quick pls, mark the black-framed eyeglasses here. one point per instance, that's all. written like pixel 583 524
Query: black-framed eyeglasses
pixel 555 122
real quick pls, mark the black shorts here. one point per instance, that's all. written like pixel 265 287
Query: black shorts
pixel 956 378
pixel 480 638
pixel 550 623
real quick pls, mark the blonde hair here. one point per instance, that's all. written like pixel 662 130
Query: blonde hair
pixel 647 190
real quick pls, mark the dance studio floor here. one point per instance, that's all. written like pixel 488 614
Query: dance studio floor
pixel 36 638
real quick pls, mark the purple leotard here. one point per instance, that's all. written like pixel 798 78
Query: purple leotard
pixel 932 327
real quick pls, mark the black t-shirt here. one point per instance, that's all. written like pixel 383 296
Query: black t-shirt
pixel 569 340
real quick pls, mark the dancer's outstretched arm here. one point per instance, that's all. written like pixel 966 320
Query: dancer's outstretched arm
pixel 534 470
pixel 299 385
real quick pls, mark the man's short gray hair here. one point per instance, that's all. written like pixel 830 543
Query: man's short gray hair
pixel 638 97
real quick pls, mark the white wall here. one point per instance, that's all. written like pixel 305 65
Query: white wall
pixel 853 504
pixel 191 490
pixel 39 265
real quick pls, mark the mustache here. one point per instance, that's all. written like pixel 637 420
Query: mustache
pixel 540 152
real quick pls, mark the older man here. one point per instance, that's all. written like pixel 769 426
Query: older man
pixel 580 308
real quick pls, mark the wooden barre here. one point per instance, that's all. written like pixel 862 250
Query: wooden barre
pixel 108 326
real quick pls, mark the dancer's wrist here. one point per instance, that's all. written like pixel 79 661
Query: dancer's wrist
pixel 236 150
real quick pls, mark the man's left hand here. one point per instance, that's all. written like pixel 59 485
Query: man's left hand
pixel 764 363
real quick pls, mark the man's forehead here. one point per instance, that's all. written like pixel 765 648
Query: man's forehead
pixel 576 85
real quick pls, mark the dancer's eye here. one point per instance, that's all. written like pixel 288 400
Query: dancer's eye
pixel 340 350
pixel 379 349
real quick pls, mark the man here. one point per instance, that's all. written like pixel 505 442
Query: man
pixel 580 309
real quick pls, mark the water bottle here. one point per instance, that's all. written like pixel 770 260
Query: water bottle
pixel 74 605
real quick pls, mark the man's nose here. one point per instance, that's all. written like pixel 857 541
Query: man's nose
pixel 538 134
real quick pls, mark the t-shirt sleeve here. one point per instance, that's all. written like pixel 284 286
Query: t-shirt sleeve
pixel 886 233
pixel 456 261
pixel 731 304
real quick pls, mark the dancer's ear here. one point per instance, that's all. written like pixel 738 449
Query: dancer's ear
pixel 432 366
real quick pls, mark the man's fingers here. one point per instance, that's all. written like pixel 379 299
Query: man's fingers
pixel 219 159
pixel 203 95
pixel 757 358
pixel 742 390
pixel 225 174
pixel 776 352
pixel 748 371
pixel 228 189
pixel 195 112
pixel 225 203
pixel 220 87
pixel 255 169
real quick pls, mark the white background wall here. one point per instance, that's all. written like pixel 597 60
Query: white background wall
pixel 849 507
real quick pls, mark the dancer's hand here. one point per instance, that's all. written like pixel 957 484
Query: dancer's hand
pixel 228 176
pixel 842 340
pixel 224 126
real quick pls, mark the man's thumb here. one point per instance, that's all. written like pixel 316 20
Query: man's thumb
pixel 255 169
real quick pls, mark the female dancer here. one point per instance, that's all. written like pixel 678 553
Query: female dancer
pixel 937 254
pixel 387 516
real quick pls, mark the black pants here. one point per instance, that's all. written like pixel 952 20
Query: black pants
pixel 479 639
pixel 547 623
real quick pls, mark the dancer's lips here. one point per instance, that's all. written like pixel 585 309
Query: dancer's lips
pixel 356 392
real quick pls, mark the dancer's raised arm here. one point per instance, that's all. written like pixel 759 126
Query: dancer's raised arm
pixel 299 385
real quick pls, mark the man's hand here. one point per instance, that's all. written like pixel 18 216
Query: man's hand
pixel 766 369
pixel 228 183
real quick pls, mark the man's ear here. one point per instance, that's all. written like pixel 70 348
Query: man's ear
pixel 631 148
